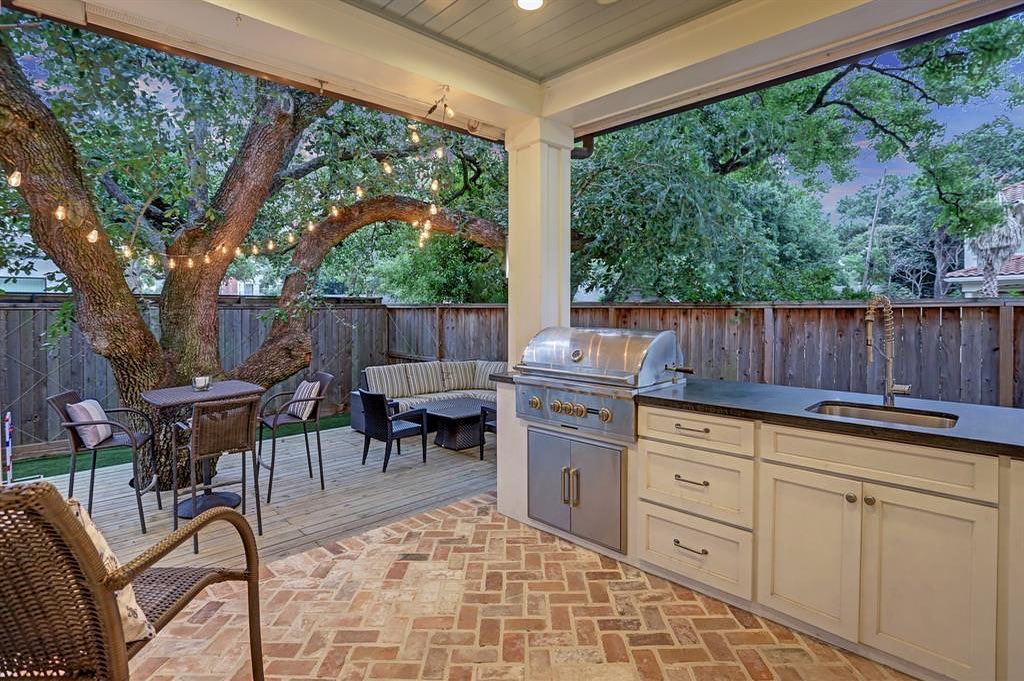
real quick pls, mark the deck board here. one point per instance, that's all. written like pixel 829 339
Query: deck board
pixel 300 516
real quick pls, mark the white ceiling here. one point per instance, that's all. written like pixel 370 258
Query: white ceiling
pixel 544 43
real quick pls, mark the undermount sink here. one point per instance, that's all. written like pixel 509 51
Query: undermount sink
pixel 874 412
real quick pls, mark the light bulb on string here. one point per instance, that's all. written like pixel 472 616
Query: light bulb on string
pixel 335 212
pixel 206 259
pixel 271 245
pixel 435 185
pixel 450 112
pixel 310 227
pixel 126 250
pixel 427 225
pixel 238 251
pixel 150 259
pixel 14 179
pixel 359 192
pixel 414 136
pixel 255 249
pixel 223 249
pixel 439 152
pixel 386 167
pixel 291 237
pixel 433 209
pixel 92 237
pixel 415 223
pixel 190 263
pixel 61 213
pixel 171 264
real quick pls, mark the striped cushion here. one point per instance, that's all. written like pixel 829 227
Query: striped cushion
pixel 389 379
pixel 484 370
pixel 458 375
pixel 89 410
pixel 424 377
pixel 302 410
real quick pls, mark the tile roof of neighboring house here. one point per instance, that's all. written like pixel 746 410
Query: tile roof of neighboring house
pixel 1012 267
pixel 1013 193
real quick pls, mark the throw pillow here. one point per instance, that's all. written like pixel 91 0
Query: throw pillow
pixel 89 410
pixel 306 389
pixel 134 623
pixel 484 371
pixel 458 375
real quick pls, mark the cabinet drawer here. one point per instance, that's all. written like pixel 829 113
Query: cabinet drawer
pixel 972 476
pixel 686 427
pixel 718 486
pixel 703 550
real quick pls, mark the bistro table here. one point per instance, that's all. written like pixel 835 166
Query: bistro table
pixel 170 405
pixel 457 421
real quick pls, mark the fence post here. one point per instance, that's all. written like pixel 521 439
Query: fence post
pixel 768 354
pixel 439 327
pixel 1006 355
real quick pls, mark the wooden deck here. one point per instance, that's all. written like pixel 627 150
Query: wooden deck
pixel 300 516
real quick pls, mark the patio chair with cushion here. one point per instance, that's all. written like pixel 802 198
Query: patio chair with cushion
pixel 488 424
pixel 89 430
pixel 388 428
pixel 218 428
pixel 302 407
pixel 59 610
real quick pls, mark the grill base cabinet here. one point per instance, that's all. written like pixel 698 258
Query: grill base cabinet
pixel 576 486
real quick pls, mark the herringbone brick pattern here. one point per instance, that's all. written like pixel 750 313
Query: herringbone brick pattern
pixel 465 594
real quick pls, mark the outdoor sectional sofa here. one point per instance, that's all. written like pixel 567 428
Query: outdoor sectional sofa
pixel 416 383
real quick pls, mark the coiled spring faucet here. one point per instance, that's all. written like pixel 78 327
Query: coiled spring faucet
pixel 889 343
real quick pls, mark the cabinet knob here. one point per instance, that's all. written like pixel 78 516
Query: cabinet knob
pixel 870 501
pixel 851 497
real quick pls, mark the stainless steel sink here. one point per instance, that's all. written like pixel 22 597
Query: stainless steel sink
pixel 874 412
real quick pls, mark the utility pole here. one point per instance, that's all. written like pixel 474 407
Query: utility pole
pixel 868 259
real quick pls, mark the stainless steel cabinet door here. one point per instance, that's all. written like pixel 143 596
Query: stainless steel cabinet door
pixel 547 461
pixel 596 493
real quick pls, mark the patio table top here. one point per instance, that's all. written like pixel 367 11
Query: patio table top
pixel 179 396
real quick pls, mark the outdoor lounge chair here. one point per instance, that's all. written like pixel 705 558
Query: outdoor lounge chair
pixel 121 436
pixel 389 428
pixel 58 612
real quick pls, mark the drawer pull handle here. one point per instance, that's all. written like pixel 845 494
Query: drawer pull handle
pixel 574 487
pixel 702 431
pixel 565 485
pixel 701 483
pixel 679 545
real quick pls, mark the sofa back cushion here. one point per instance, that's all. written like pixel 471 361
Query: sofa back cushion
pixel 483 370
pixel 424 377
pixel 459 375
pixel 389 379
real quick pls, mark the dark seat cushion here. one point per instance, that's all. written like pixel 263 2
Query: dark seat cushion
pixel 120 439
pixel 401 428
pixel 275 420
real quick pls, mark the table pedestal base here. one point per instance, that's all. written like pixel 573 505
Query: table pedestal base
pixel 207 501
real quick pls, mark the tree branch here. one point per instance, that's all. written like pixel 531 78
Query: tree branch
pixel 150 233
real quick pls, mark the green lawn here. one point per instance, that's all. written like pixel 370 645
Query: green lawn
pixel 58 465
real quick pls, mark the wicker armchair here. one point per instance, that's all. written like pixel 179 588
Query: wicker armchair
pixel 58 615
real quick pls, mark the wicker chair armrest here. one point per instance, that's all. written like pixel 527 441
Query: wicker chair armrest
pixel 410 415
pixel 112 424
pixel 135 412
pixel 284 407
pixel 393 407
pixel 124 575
pixel 270 400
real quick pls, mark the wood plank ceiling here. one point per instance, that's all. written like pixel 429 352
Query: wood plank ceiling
pixel 544 43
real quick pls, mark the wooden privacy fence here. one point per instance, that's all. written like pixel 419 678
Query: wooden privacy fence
pixel 950 350
pixel 958 350
pixel 348 334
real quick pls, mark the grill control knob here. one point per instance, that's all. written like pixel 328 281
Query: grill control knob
pixel 580 410
pixel 567 408
pixel 556 406
pixel 534 402
pixel 605 414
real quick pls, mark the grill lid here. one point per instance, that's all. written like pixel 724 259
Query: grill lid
pixel 610 356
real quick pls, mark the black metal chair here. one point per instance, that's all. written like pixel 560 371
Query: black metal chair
pixel 218 428
pixel 386 427
pixel 281 417
pixel 488 423
pixel 121 436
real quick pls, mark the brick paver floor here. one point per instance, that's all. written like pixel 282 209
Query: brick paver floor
pixel 465 594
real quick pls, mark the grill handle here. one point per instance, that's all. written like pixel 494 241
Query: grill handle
pixel 679 369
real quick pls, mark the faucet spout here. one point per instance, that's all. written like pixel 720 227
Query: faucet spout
pixel 884 304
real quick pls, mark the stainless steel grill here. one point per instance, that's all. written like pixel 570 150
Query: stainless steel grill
pixel 586 379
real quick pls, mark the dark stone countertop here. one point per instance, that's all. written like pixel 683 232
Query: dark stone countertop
pixel 980 429
pixel 504 377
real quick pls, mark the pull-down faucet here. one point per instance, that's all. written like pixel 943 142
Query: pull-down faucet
pixel 889 339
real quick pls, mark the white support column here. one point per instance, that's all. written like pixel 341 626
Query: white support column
pixel 538 275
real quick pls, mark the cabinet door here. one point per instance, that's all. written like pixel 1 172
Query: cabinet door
pixel 547 461
pixel 929 580
pixel 597 494
pixel 808 556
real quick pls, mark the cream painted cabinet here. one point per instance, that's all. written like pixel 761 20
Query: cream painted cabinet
pixel 808 554
pixel 928 575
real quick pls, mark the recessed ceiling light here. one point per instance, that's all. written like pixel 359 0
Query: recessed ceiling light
pixel 529 5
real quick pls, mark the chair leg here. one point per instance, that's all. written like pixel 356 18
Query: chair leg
pixel 398 447
pixel 255 638
pixel 319 455
pixel 71 474
pixel 483 436
pixel 273 462
pixel 192 475
pixel 309 459
pixel 366 447
pixel 424 441
pixel 243 483
pixel 156 472
pixel 387 455
pixel 92 479
pixel 256 490
pixel 174 484
pixel 138 489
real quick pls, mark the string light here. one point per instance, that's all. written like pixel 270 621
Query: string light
pixel 238 251
pixel 386 167
pixel 439 152
pixel 433 209
pixel 255 249
pixel 14 179
pixel 335 212
pixel 223 249
pixel 414 136
pixel 271 245
pixel 427 225
pixel 206 259
pixel 359 192
pixel 126 250
pixel 435 185
pixel 310 227
pixel 190 263
pixel 415 223
pixel 171 264
pixel 92 237
pixel 291 237
pixel 61 213
pixel 449 111
pixel 150 259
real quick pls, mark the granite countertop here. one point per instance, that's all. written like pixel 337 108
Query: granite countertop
pixel 503 377
pixel 979 429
